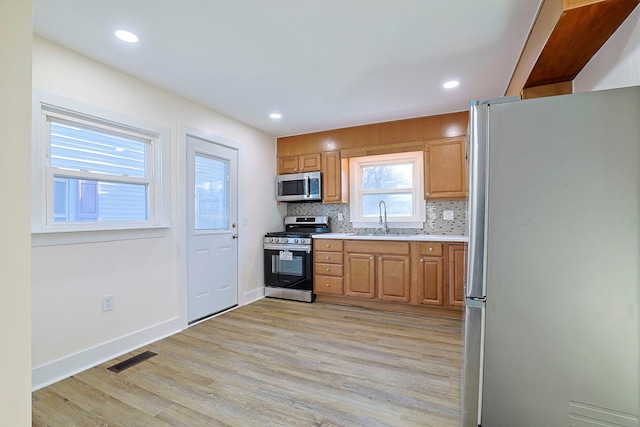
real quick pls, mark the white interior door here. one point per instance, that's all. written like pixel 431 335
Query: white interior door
pixel 212 230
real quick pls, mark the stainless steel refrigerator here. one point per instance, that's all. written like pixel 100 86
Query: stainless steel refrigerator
pixel 552 333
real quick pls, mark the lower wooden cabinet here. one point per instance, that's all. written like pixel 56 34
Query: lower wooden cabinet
pixel 360 275
pixel 394 278
pixel 419 277
pixel 456 275
pixel 328 267
pixel 429 278
pixel 377 271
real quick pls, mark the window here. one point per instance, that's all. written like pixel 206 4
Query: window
pixel 97 173
pixel 395 179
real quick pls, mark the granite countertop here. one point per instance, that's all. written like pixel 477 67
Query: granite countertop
pixel 392 236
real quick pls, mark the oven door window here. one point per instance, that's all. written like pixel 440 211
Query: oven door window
pixel 288 269
pixel 287 263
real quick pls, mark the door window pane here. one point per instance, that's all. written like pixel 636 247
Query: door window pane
pixel 211 194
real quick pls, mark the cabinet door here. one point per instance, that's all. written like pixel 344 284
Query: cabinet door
pixel 445 172
pixel 393 277
pixel 309 162
pixel 457 275
pixel 288 164
pixel 331 177
pixel 360 275
pixel 430 281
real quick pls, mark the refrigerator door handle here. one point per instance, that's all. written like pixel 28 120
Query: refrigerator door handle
pixel 477 151
pixel 473 363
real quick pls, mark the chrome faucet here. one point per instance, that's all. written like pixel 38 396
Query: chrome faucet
pixel 383 223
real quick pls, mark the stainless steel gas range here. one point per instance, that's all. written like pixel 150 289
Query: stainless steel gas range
pixel 288 258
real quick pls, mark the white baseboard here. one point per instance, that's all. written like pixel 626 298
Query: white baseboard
pixel 42 376
pixel 253 296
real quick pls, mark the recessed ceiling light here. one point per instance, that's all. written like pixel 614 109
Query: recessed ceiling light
pixel 275 115
pixel 450 84
pixel 126 36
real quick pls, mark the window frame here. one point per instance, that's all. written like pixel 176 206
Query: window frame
pixel 356 164
pixel 157 161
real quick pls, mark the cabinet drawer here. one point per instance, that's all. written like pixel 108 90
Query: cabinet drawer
pixel 328 245
pixel 328 285
pixel 430 248
pixel 329 269
pixel 328 257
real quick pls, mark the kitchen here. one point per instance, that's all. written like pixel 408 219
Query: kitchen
pixel 82 77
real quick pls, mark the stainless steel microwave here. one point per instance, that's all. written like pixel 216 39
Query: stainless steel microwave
pixel 299 187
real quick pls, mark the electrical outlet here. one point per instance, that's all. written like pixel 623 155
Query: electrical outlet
pixel 448 215
pixel 340 217
pixel 107 303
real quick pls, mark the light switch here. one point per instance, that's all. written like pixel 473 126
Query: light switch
pixel 448 215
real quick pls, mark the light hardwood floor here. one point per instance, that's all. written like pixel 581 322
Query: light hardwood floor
pixel 276 363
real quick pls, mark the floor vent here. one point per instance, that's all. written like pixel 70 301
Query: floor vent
pixel 119 367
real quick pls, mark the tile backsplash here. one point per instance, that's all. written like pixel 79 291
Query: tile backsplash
pixel 435 223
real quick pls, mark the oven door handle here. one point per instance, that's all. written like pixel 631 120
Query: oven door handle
pixel 277 247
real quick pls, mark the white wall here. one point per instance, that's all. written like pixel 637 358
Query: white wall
pixel 15 140
pixel 617 63
pixel 70 332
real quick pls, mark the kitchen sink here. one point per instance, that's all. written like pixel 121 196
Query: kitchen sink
pixel 378 233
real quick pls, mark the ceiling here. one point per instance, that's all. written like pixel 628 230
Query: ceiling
pixel 321 64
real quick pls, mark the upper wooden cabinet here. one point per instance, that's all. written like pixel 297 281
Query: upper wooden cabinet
pixel 373 135
pixel 445 171
pixel 299 163
pixel 334 178
pixel 329 151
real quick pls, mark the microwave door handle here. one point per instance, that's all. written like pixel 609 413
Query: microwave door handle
pixel 307 186
pixel 279 189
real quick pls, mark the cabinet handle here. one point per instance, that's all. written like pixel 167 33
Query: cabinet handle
pixel 328 269
pixel 328 257
pixel 430 249
pixel 380 258
pixel 328 285
pixel 421 260
pixel 328 245
pixel 370 257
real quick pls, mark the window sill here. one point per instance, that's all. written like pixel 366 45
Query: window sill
pixel 72 237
